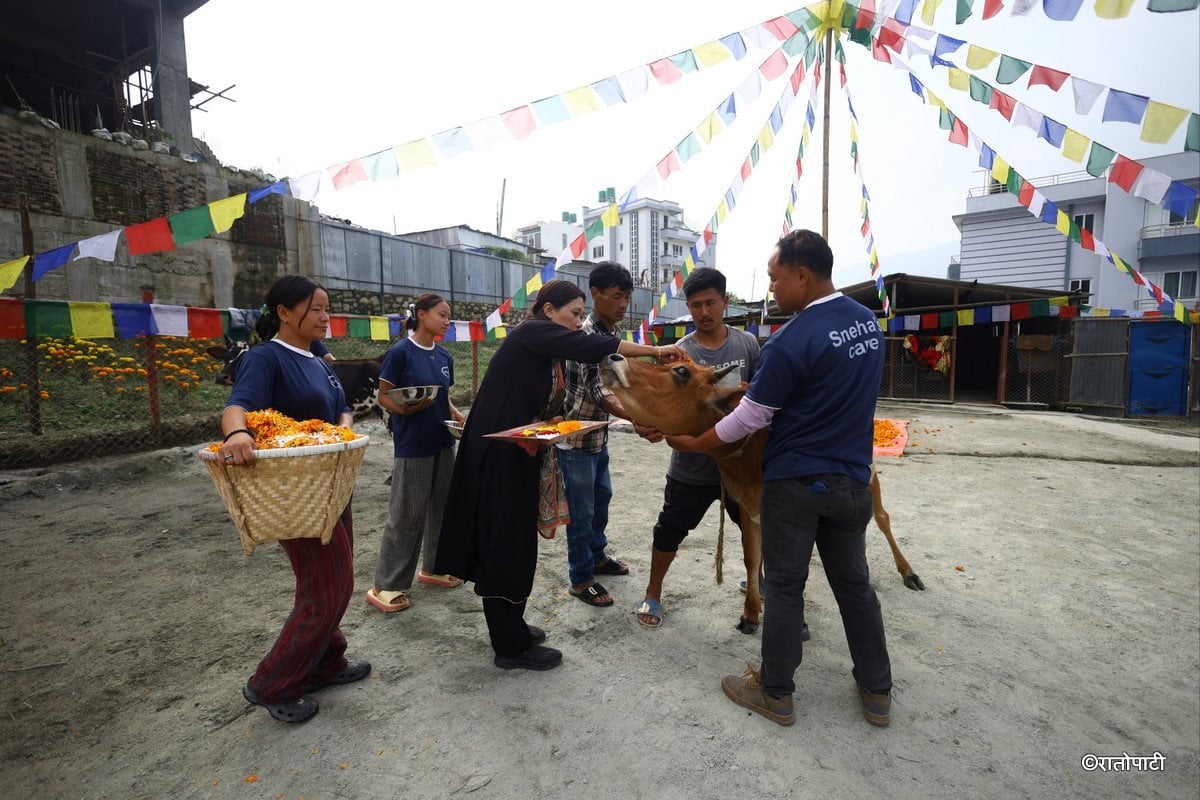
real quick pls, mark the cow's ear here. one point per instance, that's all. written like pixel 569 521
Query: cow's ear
pixel 217 352
pixel 725 400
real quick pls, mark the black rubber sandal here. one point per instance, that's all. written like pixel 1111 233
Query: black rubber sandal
pixel 301 709
pixel 353 671
pixel 612 567
pixel 591 595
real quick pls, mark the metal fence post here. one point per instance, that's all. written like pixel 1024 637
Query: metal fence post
pixel 152 377
pixel 33 400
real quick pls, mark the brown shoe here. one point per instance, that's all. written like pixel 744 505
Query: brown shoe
pixel 877 708
pixel 747 692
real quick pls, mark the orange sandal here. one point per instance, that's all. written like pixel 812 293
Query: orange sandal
pixel 445 581
pixel 388 601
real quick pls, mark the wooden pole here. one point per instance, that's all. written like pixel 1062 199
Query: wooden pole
pixel 33 398
pixel 825 139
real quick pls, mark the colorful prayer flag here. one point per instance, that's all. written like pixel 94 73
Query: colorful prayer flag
pixel 225 211
pixel 149 237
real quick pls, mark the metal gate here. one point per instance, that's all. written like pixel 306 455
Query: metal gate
pixel 1158 368
pixel 1098 363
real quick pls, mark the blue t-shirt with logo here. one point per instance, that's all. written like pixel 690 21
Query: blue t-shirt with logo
pixel 296 383
pixel 821 371
pixel 406 363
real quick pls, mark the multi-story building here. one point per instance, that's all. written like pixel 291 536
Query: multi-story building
pixel 650 239
pixel 549 238
pixel 1002 243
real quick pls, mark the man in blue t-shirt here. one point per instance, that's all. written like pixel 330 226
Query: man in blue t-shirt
pixel 816 388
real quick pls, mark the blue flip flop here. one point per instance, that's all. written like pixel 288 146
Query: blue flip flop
pixel 649 608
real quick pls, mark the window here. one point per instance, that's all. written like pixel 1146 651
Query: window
pixel 621 247
pixel 1087 221
pixel 1180 284
pixel 666 275
pixel 564 237
pixel 1083 285
pixel 677 249
pixel 598 252
pixel 1175 219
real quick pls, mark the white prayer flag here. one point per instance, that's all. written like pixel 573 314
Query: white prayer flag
pixel 103 247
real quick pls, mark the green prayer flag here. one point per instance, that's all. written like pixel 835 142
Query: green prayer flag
pixel 839 53
pixel 804 19
pixel 810 53
pixel 861 36
pixel 947 319
pixel 1172 5
pixel 358 328
pixel 1193 134
pixel 854 150
pixel 188 226
pixel 1099 159
pixel 685 61
pixel 964 11
pixel 1015 182
pixel 849 15
pixel 981 91
pixel 50 318
pixel 226 321
pixel 520 299
pixel 594 229
pixel 754 155
pixel 1010 69
pixel 689 147
pixel 1074 234
pixel 1039 308
pixel 945 119
pixel 796 44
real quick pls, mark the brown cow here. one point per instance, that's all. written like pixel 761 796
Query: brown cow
pixel 687 398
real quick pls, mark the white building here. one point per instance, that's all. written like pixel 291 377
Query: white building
pixel 651 240
pixel 1002 243
pixel 549 238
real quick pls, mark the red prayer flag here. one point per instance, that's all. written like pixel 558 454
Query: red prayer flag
pixel 708 234
pixel 891 35
pixel 12 318
pixel 958 134
pixel 1068 311
pixel 1026 195
pixel 347 174
pixel 799 168
pixel 519 121
pixel 669 164
pixel 1003 103
pixel 797 77
pixel 478 334
pixel 1086 240
pixel 1158 293
pixel 866 15
pixel 842 72
pixel 816 75
pixel 929 320
pixel 505 307
pixel 746 167
pixel 1047 77
pixel 579 245
pixel 879 52
pixel 1125 172
pixel 664 71
pixel 337 325
pixel 149 237
pixel 866 226
pixel 774 66
pixel 205 323
pixel 1020 311
pixel 991 8
pixel 781 28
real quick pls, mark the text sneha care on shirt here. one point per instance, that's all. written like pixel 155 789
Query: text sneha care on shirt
pixel 858 330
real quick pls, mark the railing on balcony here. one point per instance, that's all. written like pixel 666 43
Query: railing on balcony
pixel 990 186
pixel 1168 229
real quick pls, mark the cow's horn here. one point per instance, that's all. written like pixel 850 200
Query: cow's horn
pixel 723 371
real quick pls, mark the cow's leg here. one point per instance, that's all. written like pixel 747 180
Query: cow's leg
pixel 752 554
pixel 911 579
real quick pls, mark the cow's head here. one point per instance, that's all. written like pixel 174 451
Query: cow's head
pixel 229 355
pixel 680 398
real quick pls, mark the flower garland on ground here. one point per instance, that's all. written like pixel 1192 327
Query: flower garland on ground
pixel 273 430
pixel 936 356
pixel 886 433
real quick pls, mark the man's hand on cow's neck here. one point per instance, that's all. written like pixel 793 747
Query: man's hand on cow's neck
pixel 695 444
pixel 612 405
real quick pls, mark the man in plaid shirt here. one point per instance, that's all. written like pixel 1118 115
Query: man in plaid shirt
pixel 584 459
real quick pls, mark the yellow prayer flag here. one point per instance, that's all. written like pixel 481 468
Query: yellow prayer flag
pixel 710 127
pixel 721 212
pixel 959 79
pixel 853 133
pixel 1119 264
pixel 224 212
pixel 928 10
pixel 10 271
pixel 934 100
pixel 500 331
pixel 688 264
pixel 834 15
pixel 1060 301
pixel 582 101
pixel 1101 312
pixel 1113 9
pixel 874 256
pixel 415 155
pixel 1161 122
pixel 1180 312
pixel 765 139
pixel 662 301
pixel 791 208
pixel 379 329
pixel 980 57
pixel 999 169
pixel 711 53
pixel 611 216
pixel 533 284
pixel 91 320
pixel 1062 223
pixel 1075 145
pixel 966 316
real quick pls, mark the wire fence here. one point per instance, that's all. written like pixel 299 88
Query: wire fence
pixel 69 399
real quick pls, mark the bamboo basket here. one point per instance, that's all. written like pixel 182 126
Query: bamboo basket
pixel 289 493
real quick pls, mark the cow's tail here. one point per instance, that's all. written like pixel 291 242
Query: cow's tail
pixel 720 559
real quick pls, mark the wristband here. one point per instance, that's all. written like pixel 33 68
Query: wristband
pixel 240 430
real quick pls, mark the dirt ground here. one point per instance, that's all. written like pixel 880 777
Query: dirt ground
pixel 1061 556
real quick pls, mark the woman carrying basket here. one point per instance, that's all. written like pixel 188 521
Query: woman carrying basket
pixel 424 455
pixel 284 375
pixel 489 534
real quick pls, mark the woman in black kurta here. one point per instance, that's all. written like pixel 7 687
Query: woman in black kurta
pixel 489 533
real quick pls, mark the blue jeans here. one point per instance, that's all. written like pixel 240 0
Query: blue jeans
pixel 831 511
pixel 589 490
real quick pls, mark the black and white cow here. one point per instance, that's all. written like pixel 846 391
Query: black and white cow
pixel 359 377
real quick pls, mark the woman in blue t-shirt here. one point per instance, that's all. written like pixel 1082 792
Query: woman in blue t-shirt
pixel 283 374
pixel 424 456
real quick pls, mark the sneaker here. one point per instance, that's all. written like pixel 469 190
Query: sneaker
pixel 536 657
pixel 877 708
pixel 746 691
pixel 536 634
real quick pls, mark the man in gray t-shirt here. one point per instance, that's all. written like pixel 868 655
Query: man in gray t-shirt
pixel 693 481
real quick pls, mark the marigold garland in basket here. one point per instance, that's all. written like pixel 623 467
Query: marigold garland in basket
pixel 565 427
pixel 273 430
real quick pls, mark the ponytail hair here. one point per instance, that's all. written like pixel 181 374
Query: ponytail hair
pixel 288 291
pixel 557 293
pixel 425 302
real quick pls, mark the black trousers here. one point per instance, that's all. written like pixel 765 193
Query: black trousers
pixel 684 505
pixel 506 626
